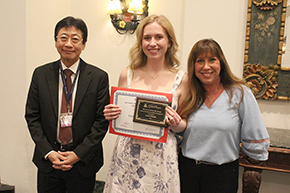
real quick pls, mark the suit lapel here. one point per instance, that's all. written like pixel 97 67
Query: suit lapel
pixel 83 84
pixel 52 78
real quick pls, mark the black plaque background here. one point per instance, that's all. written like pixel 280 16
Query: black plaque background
pixel 140 117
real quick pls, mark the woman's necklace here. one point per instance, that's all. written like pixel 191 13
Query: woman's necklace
pixel 209 96
pixel 154 77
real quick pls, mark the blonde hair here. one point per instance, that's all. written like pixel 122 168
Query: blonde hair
pixel 136 54
pixel 197 91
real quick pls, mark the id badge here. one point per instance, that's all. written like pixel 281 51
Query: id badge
pixel 66 119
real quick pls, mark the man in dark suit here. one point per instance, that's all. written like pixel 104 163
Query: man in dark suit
pixel 68 162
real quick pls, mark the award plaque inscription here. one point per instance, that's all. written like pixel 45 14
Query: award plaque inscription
pixel 150 111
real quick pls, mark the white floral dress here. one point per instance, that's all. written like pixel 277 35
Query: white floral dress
pixel 140 166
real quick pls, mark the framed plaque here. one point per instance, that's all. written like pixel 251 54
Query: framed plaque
pixel 125 125
pixel 150 111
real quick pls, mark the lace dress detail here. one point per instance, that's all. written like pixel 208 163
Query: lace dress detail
pixel 140 166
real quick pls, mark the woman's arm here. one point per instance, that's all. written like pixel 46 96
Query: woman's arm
pixel 254 135
pixel 177 123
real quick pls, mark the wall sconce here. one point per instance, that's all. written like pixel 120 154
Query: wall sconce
pixel 127 14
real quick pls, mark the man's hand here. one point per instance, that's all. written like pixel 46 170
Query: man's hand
pixel 63 160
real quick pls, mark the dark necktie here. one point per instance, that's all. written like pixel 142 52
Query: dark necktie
pixel 65 133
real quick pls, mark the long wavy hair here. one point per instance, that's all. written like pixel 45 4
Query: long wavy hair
pixel 197 92
pixel 136 54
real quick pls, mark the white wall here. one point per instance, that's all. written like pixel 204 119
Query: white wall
pixel 13 132
pixel 26 38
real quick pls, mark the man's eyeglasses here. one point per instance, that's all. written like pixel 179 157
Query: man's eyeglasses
pixel 65 39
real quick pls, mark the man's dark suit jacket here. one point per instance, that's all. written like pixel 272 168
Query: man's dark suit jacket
pixel 88 125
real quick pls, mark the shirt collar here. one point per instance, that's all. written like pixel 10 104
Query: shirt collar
pixel 73 67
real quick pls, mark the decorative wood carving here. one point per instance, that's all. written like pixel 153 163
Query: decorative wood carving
pixel 262 80
pixel 251 180
pixel 263 50
pixel 279 160
pixel 266 4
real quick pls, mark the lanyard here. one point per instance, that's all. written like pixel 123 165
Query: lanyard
pixel 68 95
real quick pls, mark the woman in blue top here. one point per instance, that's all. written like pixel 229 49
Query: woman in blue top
pixel 223 113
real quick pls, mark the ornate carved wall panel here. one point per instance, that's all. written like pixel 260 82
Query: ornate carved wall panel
pixel 263 50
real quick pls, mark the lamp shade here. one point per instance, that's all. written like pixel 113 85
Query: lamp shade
pixel 114 7
pixel 136 6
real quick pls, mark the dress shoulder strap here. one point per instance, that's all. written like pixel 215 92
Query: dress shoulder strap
pixel 129 77
pixel 178 79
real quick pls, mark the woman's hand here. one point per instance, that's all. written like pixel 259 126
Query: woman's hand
pixel 112 111
pixel 173 119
